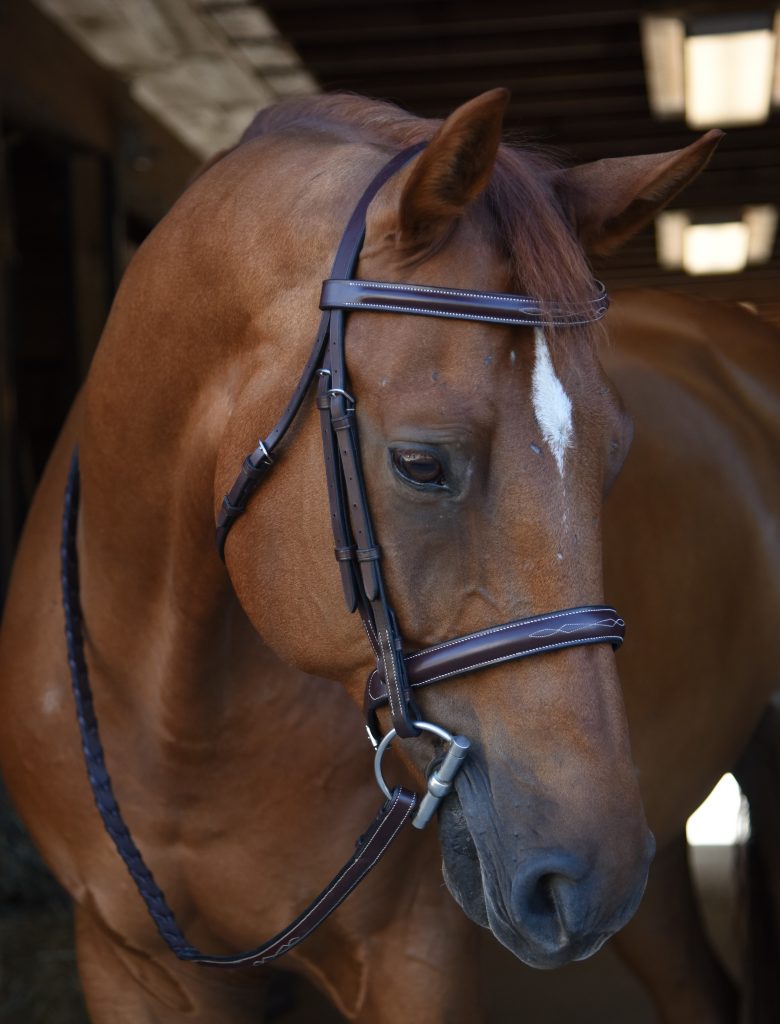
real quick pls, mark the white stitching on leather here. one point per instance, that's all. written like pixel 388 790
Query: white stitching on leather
pixel 533 314
pixel 374 696
pixel 374 677
pixel 387 676
pixel 395 678
pixel 449 314
pixel 511 657
pixel 371 637
pixel 498 629
pixel 430 290
pixel 330 888
pixel 335 881
pixel 521 300
pixel 544 634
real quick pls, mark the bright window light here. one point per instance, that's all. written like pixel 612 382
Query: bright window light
pixel 728 78
pixel 719 246
pixel 662 49
pixel 669 235
pixel 762 224
pixel 717 70
pixel 715 248
pixel 723 819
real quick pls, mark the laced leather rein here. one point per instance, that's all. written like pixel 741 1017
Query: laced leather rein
pixel 396 675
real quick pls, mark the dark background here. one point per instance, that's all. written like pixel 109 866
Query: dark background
pixel 85 173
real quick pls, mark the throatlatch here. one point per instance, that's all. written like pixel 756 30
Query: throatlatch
pixel 358 556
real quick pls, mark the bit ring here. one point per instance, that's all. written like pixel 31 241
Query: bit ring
pixel 388 739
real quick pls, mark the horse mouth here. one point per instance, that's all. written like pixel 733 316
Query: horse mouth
pixel 541 934
pixel 460 861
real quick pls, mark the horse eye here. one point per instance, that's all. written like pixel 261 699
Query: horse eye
pixel 417 466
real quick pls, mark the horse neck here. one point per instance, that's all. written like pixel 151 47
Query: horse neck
pixel 191 354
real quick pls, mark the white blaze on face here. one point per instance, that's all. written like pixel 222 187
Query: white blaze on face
pixel 552 405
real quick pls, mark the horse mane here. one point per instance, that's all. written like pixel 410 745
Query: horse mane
pixel 523 200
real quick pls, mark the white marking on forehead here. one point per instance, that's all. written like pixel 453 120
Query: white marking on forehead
pixel 552 405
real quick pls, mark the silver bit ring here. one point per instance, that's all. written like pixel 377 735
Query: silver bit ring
pixel 439 781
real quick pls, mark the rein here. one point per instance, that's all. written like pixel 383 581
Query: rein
pixel 358 555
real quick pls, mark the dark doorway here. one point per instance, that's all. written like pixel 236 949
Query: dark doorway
pixel 59 274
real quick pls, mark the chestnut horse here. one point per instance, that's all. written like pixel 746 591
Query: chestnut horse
pixel 692 553
pixel 242 777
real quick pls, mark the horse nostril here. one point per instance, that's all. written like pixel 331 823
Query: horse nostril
pixel 542 894
pixel 541 900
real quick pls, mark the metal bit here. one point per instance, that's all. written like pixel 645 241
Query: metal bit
pixel 440 781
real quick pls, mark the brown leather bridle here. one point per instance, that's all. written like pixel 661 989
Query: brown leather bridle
pixel 397 674
pixel 356 548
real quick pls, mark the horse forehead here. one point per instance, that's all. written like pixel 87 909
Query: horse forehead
pixel 501 374
pixel 413 351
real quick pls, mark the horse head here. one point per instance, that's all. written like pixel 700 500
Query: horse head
pixel 487 452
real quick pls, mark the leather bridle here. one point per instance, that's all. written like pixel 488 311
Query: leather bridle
pixel 397 675
pixel 357 552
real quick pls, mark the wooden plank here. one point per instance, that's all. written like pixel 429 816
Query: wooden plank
pixel 459 64
pixel 444 98
pixel 478 34
pixel 592 138
pixel 577 12
pixel 177 61
pixel 529 101
pixel 437 20
pixel 122 36
pixel 243 21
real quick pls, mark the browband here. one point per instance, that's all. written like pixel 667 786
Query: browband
pixel 488 307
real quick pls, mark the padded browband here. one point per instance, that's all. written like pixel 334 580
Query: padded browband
pixel 456 304
pixel 521 638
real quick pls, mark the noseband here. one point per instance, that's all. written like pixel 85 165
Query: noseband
pixel 397 675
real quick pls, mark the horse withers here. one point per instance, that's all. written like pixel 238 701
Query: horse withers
pixel 487 449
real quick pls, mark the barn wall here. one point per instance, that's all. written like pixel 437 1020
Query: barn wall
pixel 84 174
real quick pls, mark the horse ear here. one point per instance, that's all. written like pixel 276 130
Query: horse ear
pixel 452 171
pixel 610 200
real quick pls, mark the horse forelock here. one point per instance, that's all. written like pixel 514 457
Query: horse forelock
pixel 521 203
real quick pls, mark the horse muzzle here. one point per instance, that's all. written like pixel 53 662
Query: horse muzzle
pixel 548 905
pixel 557 909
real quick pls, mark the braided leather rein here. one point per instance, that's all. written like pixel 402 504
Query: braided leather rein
pixel 358 555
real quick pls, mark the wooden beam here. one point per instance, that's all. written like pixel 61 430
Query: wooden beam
pixel 336 16
pixel 513 40
pixel 564 80
pixel 569 10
